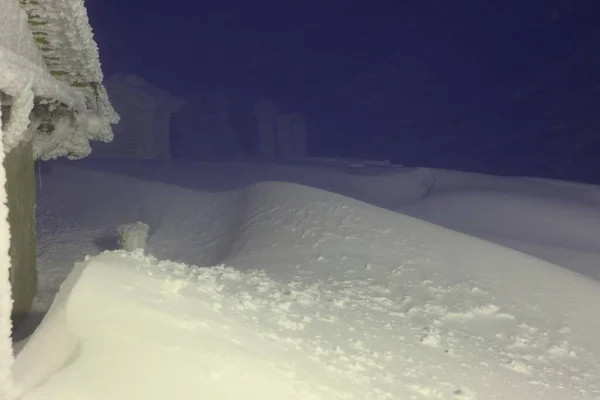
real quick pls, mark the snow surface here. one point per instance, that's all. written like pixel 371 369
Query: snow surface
pixel 305 290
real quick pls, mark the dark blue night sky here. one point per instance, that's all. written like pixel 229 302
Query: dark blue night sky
pixel 508 87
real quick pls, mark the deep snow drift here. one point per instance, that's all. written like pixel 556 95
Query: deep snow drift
pixel 307 292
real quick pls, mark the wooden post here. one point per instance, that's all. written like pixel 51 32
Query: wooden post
pixel 7 387
pixel 20 186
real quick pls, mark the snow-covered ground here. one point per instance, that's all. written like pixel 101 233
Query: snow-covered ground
pixel 314 281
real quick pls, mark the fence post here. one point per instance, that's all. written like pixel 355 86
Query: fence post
pixel 21 192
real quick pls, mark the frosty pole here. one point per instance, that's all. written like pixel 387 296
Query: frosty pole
pixel 7 388
pixel 11 133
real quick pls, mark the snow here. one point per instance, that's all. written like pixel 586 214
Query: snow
pixel 302 289
pixel 552 220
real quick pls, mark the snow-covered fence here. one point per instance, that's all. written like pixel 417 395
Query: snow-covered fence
pixel 145 117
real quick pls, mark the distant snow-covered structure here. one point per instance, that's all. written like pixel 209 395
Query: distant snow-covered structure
pixel 266 114
pixel 52 104
pixel 279 135
pixel 204 129
pixel 291 135
pixel 145 110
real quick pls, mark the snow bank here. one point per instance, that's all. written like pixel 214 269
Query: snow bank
pixel 555 221
pixel 153 331
pixel 552 220
pixel 320 296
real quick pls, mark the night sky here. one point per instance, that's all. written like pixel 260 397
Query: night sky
pixel 506 87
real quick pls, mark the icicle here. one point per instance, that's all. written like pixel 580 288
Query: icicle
pixel 7 385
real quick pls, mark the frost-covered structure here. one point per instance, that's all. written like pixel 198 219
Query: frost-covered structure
pixel 50 71
pixel 52 104
pixel 145 110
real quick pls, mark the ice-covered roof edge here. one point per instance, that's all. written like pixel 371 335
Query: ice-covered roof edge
pixel 68 89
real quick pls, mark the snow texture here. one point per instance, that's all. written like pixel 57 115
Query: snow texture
pixel 133 236
pixel 303 293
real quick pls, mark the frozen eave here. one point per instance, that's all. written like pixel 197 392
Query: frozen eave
pixel 63 34
pixel 47 53
pixel 17 72
pixel 62 31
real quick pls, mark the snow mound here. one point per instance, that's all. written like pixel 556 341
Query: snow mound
pixel 315 296
pixel 555 221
